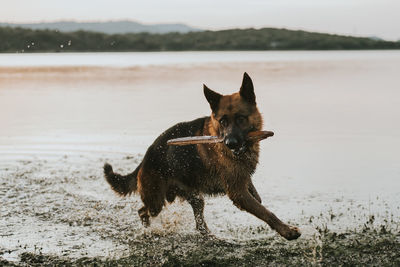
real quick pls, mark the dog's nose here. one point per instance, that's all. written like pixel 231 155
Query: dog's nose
pixel 231 142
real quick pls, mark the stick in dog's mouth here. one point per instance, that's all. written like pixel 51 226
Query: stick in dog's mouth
pixel 193 140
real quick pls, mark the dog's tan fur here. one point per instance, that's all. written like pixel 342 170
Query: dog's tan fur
pixel 189 172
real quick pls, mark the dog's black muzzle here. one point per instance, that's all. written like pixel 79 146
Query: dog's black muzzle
pixel 236 144
pixel 231 142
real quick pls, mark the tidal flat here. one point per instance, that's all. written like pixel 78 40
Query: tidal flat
pixel 60 211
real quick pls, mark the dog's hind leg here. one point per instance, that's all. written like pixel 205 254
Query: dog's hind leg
pixel 171 194
pixel 144 216
pixel 152 192
pixel 197 203
pixel 152 207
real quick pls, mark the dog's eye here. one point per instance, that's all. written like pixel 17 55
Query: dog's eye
pixel 240 120
pixel 223 122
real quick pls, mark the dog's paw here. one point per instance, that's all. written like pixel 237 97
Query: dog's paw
pixel 291 232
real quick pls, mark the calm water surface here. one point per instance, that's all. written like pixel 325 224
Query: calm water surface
pixel 166 58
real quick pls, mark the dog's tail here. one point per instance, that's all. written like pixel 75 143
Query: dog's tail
pixel 123 185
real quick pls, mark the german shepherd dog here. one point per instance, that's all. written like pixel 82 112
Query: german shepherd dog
pixel 192 171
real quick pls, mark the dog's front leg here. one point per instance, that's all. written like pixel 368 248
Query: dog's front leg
pixel 254 192
pixel 243 200
pixel 197 203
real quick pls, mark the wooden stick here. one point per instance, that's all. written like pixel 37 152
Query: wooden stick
pixel 193 140
pixel 259 135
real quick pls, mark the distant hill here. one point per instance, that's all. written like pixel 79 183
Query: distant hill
pixel 26 40
pixel 111 27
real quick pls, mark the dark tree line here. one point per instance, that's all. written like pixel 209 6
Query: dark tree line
pixel 26 40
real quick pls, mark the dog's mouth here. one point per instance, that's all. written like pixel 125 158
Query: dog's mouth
pixel 235 144
pixel 240 150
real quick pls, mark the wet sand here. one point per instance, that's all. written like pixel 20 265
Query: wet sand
pixel 331 168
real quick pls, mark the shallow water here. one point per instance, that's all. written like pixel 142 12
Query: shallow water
pixel 335 150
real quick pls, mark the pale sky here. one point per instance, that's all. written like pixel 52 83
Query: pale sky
pixel 379 18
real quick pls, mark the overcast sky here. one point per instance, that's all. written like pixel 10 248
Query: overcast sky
pixel 379 18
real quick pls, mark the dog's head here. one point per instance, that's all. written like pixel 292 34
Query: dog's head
pixel 234 116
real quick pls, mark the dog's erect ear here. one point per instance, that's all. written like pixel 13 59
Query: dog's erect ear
pixel 247 89
pixel 212 97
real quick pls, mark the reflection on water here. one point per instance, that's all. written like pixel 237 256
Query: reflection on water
pixel 133 59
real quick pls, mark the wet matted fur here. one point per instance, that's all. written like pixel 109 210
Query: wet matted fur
pixel 192 171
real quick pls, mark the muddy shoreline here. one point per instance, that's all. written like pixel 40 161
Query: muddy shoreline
pixel 355 249
pixel 60 211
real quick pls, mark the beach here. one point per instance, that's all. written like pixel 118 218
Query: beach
pixel 331 168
